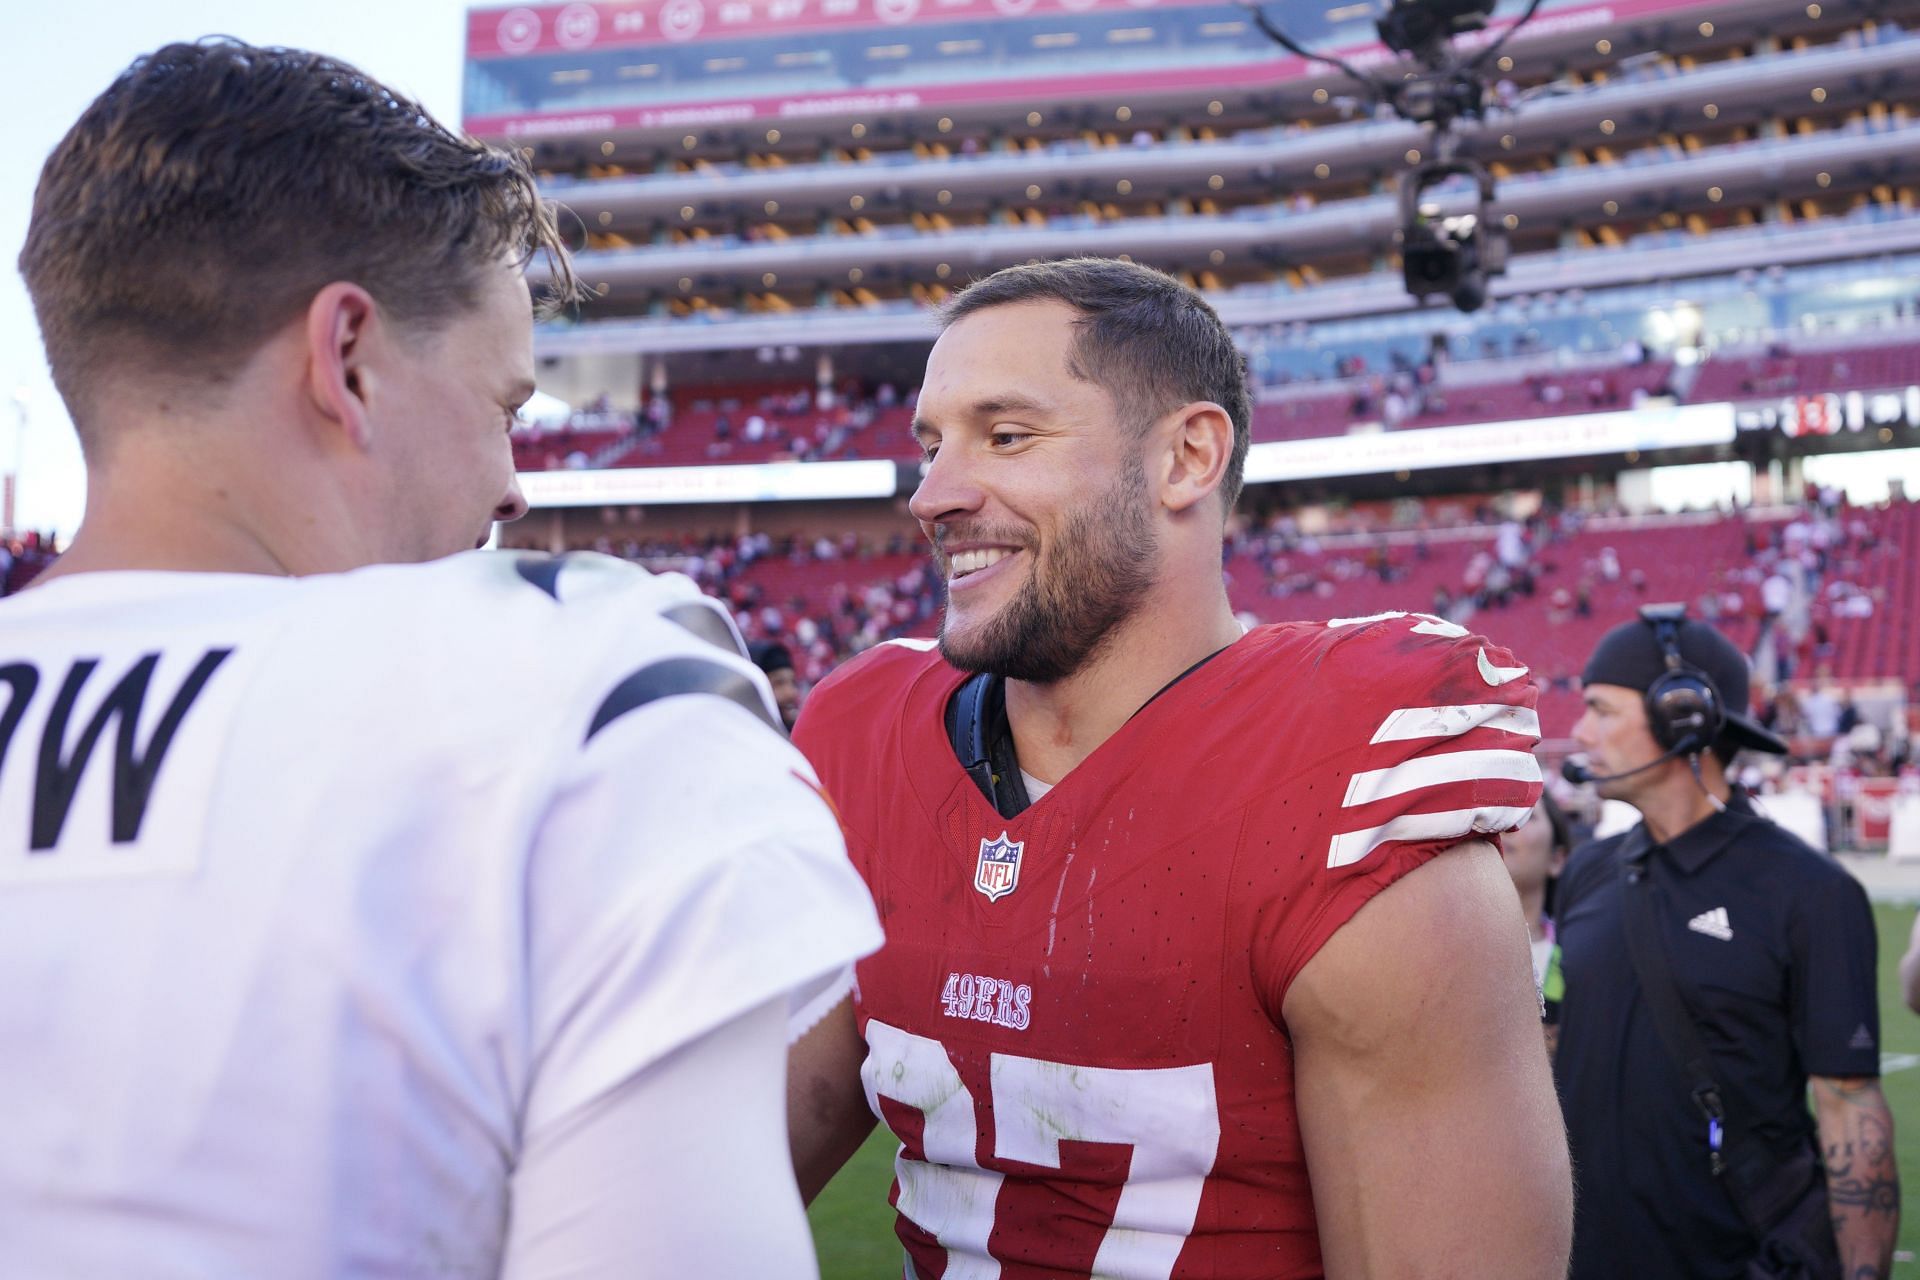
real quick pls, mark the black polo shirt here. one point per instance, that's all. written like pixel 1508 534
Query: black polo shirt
pixel 1772 945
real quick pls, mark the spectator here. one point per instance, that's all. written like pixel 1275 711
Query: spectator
pixel 1535 855
pixel 776 660
pixel 1782 715
pixel 1820 713
pixel 1776 594
pixel 1849 713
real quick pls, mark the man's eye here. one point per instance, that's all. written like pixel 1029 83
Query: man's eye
pixel 1003 438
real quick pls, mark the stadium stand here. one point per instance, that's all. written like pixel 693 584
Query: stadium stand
pixel 1713 219
pixel 1547 587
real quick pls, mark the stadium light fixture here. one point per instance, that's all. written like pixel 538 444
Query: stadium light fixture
pixel 1452 256
pixel 1423 28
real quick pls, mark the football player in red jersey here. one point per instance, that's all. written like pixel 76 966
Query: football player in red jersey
pixel 1200 961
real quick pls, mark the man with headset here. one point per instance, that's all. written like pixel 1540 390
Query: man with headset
pixel 1714 965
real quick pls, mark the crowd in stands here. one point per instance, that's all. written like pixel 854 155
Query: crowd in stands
pixel 1546 583
pixel 1419 394
pixel 22 556
pixel 1515 378
pixel 827 598
pixel 1780 369
pixel 1815 592
pixel 967 143
pixel 1799 588
pixel 785 424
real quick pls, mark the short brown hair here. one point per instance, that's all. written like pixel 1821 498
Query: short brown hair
pixel 202 200
pixel 1152 342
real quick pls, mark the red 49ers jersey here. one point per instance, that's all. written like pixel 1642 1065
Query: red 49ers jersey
pixel 1074 1028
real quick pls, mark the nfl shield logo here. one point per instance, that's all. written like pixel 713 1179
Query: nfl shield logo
pixel 999 869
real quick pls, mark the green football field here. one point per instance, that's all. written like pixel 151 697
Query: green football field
pixel 1900 1057
pixel 853 1226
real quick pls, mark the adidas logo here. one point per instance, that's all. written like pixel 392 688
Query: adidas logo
pixel 1713 923
pixel 1862 1038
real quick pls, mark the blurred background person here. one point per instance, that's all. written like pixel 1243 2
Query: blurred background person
pixel 1534 856
pixel 775 660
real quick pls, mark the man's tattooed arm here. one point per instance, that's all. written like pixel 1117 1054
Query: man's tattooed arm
pixel 1863 1184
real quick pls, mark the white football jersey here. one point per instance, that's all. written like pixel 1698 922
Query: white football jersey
pixel 322 899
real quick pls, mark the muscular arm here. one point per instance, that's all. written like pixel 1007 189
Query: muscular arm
pixel 1910 969
pixel 827 1113
pixel 1863 1184
pixel 1433 1136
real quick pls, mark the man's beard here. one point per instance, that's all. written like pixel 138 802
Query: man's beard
pixel 1093 580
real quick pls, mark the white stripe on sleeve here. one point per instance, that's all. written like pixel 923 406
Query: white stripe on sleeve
pixel 1409 723
pixel 1351 846
pixel 1433 770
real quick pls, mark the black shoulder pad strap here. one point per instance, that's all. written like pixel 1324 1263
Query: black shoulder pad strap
pixel 976 722
pixel 967 720
pixel 542 571
pixel 704 621
pixel 672 677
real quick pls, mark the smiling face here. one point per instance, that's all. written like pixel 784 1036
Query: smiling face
pixel 1035 497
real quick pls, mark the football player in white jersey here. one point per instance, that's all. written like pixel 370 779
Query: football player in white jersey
pixel 363 916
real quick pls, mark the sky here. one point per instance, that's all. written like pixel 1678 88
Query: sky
pixel 60 58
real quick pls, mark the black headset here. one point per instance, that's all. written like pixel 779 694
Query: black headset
pixel 1684 711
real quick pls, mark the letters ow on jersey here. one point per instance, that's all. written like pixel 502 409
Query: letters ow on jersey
pixel 355 886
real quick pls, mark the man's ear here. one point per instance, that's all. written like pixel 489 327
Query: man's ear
pixel 1199 446
pixel 340 322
